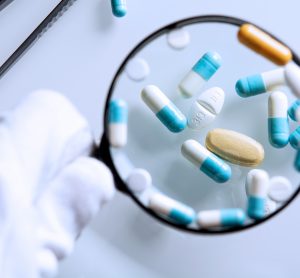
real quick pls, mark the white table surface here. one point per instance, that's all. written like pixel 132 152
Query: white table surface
pixel 72 57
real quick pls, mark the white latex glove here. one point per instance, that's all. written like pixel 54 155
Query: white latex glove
pixel 49 188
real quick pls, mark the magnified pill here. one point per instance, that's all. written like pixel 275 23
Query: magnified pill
pixel 264 44
pixel 205 109
pixel 260 83
pixel 163 108
pixel 278 125
pixel 292 76
pixel 119 7
pixel 294 111
pixel 139 180
pixel 172 209
pixel 257 185
pixel 117 123
pixel 280 189
pixel 221 218
pixel 206 161
pixel 235 147
pixel 178 38
pixel 295 139
pixel 137 69
pixel 297 161
pixel 201 72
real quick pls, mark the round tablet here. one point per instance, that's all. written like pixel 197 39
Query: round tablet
pixel 280 189
pixel 179 38
pixel 139 180
pixel 137 69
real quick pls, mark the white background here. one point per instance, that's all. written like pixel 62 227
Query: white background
pixel 78 56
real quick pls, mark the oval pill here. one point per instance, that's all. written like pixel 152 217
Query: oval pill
pixel 117 123
pixel 294 111
pixel 201 72
pixel 206 161
pixel 221 218
pixel 235 147
pixel 163 108
pixel 257 187
pixel 280 189
pixel 278 125
pixel 292 76
pixel 264 44
pixel 139 180
pixel 205 109
pixel 172 209
pixel 260 83
pixel 119 7
pixel 295 139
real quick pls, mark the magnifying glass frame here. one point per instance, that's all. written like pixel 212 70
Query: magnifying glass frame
pixel 103 153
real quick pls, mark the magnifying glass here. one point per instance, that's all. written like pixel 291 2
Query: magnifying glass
pixel 152 147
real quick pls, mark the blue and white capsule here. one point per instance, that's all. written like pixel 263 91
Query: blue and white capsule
pixel 221 218
pixel 260 83
pixel 164 109
pixel 119 7
pixel 257 185
pixel 117 123
pixel 201 72
pixel 278 125
pixel 172 209
pixel 205 161
pixel 297 161
pixel 295 139
pixel 294 111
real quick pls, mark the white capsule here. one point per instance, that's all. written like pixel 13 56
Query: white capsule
pixel 280 189
pixel 139 180
pixel 205 109
pixel 257 184
pixel 117 123
pixel 292 76
pixel 172 209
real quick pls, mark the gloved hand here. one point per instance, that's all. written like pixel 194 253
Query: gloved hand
pixel 49 187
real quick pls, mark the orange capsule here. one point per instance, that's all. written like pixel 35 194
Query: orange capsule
pixel 264 44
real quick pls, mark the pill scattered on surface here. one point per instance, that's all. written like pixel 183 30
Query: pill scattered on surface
pixel 201 72
pixel 292 76
pixel 264 44
pixel 235 147
pixel 172 209
pixel 117 123
pixel 139 180
pixel 119 7
pixel 164 109
pixel 257 185
pixel 278 125
pixel 178 38
pixel 297 161
pixel 206 161
pixel 294 111
pixel 137 69
pixel 205 109
pixel 260 83
pixel 295 139
pixel 280 189
pixel 221 218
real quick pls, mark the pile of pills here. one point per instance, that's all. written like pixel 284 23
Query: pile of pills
pixel 222 145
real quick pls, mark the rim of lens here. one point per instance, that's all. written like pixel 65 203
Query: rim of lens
pixel 103 152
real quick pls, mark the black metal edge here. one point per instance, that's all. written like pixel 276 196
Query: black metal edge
pixel 103 152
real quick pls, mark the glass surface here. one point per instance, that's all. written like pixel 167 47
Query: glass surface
pixel 153 147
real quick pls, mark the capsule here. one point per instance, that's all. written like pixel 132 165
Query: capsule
pixel 164 109
pixel 294 111
pixel 119 7
pixel 117 123
pixel 221 218
pixel 257 184
pixel 260 83
pixel 171 208
pixel 297 161
pixel 292 76
pixel 295 139
pixel 264 44
pixel 278 125
pixel 201 72
pixel 206 161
